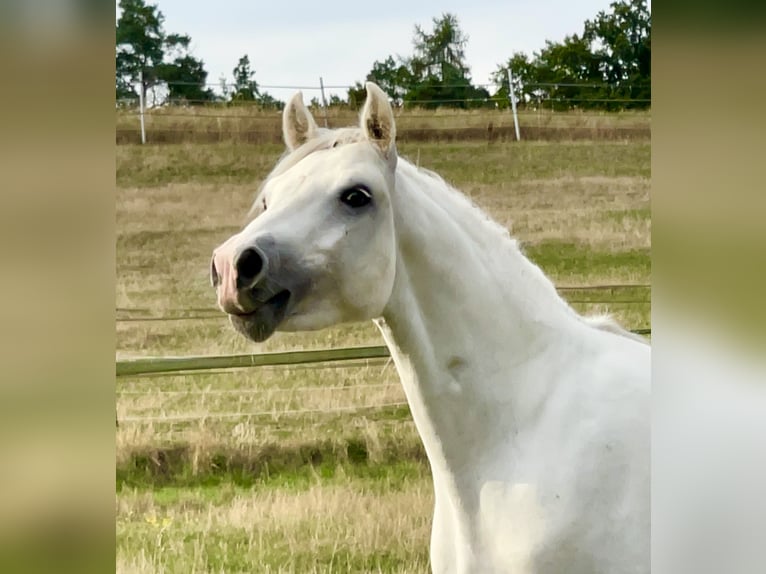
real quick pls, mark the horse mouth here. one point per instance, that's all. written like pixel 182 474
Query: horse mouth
pixel 261 323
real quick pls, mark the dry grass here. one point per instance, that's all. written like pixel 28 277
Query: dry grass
pixel 246 409
pixel 602 213
pixel 295 482
pixel 324 528
pixel 248 124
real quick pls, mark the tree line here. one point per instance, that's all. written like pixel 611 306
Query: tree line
pixel 149 59
pixel 606 66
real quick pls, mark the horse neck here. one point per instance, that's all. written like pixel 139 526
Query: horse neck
pixel 467 316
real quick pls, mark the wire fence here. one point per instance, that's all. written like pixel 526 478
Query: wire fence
pixel 389 394
pixel 144 314
pixel 153 365
pixel 224 92
pixel 256 119
pixel 204 373
pixel 181 366
pixel 251 110
pixel 257 391
pixel 218 316
pixel 256 115
pixel 255 414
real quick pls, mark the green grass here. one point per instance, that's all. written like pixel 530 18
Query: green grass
pixel 330 490
pixel 185 465
pixel 565 259
pixel 227 475
pixel 620 215
pixel 494 164
pixel 459 163
pixel 153 165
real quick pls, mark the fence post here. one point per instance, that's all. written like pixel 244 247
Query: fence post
pixel 512 97
pixel 141 104
pixel 324 101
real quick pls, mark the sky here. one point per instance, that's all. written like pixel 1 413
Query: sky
pixel 293 43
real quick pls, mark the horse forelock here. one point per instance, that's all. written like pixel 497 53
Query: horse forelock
pixel 325 139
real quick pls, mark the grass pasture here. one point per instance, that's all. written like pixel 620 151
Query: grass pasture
pixel 217 123
pixel 298 469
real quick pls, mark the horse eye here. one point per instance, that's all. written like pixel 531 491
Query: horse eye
pixel 356 197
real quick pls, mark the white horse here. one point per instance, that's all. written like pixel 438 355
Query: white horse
pixel 535 420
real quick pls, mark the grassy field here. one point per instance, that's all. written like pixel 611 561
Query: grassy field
pixel 248 124
pixel 286 469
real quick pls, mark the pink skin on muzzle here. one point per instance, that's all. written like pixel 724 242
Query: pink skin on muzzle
pixel 224 276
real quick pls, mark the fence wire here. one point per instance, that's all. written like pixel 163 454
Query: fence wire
pixel 144 314
pixel 256 391
pixel 255 414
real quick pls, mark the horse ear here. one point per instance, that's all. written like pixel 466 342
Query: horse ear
pixel 298 125
pixel 377 121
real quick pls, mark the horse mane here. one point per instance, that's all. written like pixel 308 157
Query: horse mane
pixel 452 199
pixel 464 205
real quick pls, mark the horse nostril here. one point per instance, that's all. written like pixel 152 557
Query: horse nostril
pixel 249 265
pixel 214 280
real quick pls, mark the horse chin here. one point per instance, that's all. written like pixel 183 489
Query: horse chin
pixel 260 324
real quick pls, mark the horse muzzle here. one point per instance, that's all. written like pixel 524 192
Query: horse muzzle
pixel 246 290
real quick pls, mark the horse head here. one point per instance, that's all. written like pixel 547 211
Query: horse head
pixel 319 248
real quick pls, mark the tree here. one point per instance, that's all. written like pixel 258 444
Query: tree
pixel 269 102
pixel 524 74
pixel 439 74
pixel 624 52
pixel 356 95
pixel 145 53
pixel 186 78
pixel 435 75
pixel 245 87
pixel 608 66
pixel 140 45
pixel 441 53
pixel 567 74
pixel 393 77
pixel 454 91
